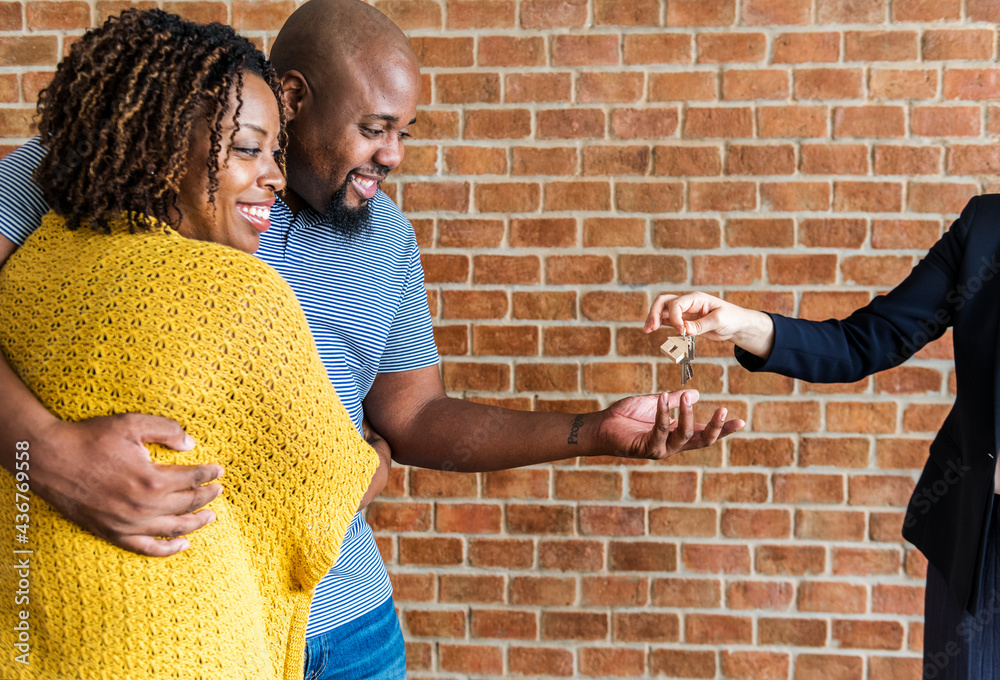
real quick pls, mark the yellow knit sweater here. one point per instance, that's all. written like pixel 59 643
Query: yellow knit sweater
pixel 156 323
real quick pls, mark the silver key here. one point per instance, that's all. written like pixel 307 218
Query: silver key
pixel 687 373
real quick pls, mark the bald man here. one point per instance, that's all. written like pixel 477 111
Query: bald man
pixel 351 84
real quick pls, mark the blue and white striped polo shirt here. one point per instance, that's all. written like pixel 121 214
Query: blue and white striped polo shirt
pixel 367 309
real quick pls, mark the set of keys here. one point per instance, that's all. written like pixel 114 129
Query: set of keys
pixel 680 348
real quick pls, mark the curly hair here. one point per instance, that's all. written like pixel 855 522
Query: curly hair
pixel 120 114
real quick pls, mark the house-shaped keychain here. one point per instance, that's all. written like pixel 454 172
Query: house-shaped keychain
pixel 676 348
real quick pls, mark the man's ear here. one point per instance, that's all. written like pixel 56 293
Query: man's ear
pixel 294 90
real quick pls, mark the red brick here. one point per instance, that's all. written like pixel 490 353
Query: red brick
pixel 506 269
pixel 540 519
pixel 637 13
pixel 792 121
pixel 502 553
pixel 436 196
pixel 571 555
pixel 868 46
pixel 678 592
pixel 559 341
pixel 799 488
pixel 972 84
pixel 544 161
pixel 542 591
pixel 452 340
pixel 829 525
pixel 610 306
pixel 497 124
pixel 924 417
pixel 202 12
pixel 880 490
pixel 716 629
pixel 744 159
pixel 701 13
pixel 436 125
pixel 461 376
pixel 434 551
pixel 688 233
pixel 786 416
pixel 789 560
pixel 903 84
pixel 658 48
pixel 553 13
pixel 822 306
pixel 653 197
pixel 793 632
pixel 682 522
pixel 507 197
pixel 547 305
pixel 759 595
pixel 828 667
pixel 801 48
pixel 607 662
pixel 866 561
pixel 755 84
pixel 652 269
pixel 795 196
pixel 728 48
pixel 876 270
pixel 687 161
pixel 790 270
pixel 579 269
pixel 445 268
pixel 28 51
pixel 435 623
pixel 610 87
pixel 411 14
pixel 892 599
pixel 538 87
pixel 815 596
pixel 574 626
pixel 473 160
pixel 953 45
pixel 754 665
pixel 642 556
pixel 588 485
pixel 894 667
pixel 474 659
pixel 867 196
pixel 946 121
pixel 783 12
pixel 50 15
pixel 718 122
pixel 570 123
pixel 748 523
pixel 647 627
pixel 505 625
pixel 935 197
pixel 868 634
pixel 907 160
pixel 481 14
pixel 504 340
pixel 10 16
pixel 585 50
pixel 926 10
pixel 867 417
pixel 869 121
pixel 471 233
pixel 614 591
pixel 973 159
pixel 678 663
pixel 535 660
pixel 471 588
pixel 663 485
pixel 616 160
pixel 829 83
pixel 443 52
pixel 834 159
pixel 693 86
pixel 738 487
pixel 726 269
pixel 765 452
pixel 617 378
pixel 655 123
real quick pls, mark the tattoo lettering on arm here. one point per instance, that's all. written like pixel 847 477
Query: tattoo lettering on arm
pixel 574 430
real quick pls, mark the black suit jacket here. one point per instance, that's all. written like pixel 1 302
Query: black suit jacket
pixel 958 285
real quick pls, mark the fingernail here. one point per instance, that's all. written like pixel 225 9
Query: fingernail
pixel 189 441
pixel 185 544
pixel 211 517
pixel 724 413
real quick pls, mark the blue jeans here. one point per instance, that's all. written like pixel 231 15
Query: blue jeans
pixel 367 648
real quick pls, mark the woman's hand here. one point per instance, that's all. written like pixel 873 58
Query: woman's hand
pixel 707 316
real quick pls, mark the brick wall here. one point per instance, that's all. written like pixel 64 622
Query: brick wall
pixel 572 159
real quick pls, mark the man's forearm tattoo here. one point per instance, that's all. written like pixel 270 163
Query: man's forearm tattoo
pixel 574 430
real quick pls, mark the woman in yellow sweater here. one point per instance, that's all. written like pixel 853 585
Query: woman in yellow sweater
pixel 137 294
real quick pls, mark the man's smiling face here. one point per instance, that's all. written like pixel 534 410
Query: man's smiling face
pixel 351 136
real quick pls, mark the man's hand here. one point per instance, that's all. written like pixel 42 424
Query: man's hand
pixel 381 476
pixel 641 427
pixel 99 474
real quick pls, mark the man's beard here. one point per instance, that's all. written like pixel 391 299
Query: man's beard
pixel 351 223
